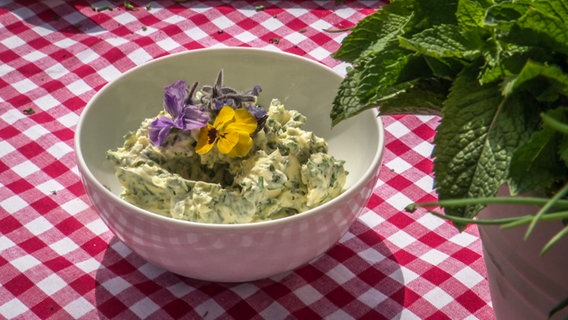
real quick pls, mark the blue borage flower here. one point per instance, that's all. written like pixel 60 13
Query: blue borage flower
pixel 187 113
pixel 217 96
pixel 183 116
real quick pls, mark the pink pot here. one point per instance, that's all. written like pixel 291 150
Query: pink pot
pixel 524 284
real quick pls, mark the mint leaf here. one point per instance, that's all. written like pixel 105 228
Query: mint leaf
pixel 471 14
pixel 503 14
pixel 538 159
pixel 503 64
pixel 385 73
pixel 546 82
pixel 425 97
pixel 374 31
pixel 393 69
pixel 358 91
pixel 347 103
pixel 558 121
pixel 554 8
pixel 444 68
pixel 434 12
pixel 442 41
pixel 397 18
pixel 479 131
pixel 544 24
pixel 376 78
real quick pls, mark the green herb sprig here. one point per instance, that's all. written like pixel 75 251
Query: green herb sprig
pixel 495 71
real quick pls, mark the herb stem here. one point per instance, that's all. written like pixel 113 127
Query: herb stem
pixel 554 124
pixel 477 221
pixel 560 194
pixel 519 222
pixel 554 239
pixel 337 30
pixel 504 222
pixel 536 201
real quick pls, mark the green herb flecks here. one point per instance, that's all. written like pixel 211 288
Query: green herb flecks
pixel 129 6
pixel 260 182
pixel 101 9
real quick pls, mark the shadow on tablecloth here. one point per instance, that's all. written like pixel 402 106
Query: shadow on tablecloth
pixel 358 277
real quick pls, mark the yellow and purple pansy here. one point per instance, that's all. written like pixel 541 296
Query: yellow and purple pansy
pixel 231 132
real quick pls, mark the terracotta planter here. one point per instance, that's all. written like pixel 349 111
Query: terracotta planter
pixel 523 284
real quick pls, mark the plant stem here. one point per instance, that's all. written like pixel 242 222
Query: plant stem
pixel 337 30
pixel 554 239
pixel 491 200
pixel 519 222
pixel 554 124
pixel 504 222
pixel 560 194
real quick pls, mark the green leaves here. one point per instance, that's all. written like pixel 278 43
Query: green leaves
pixel 390 53
pixel 544 24
pixel 544 157
pixel 538 159
pixel 546 82
pixel 470 15
pixel 475 141
pixel 442 41
pixel 376 78
pixel 497 72
pixel 375 31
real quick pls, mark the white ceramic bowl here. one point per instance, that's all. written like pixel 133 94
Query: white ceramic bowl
pixel 228 253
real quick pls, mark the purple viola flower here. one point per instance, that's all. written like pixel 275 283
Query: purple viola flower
pixel 183 116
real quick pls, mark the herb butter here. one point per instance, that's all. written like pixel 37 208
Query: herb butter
pixel 287 170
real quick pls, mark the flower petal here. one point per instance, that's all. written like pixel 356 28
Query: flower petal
pixel 256 90
pixel 217 105
pixel 192 118
pixel 225 116
pixel 227 141
pixel 243 147
pixel 174 98
pixel 204 141
pixel 159 129
pixel 257 112
pixel 244 121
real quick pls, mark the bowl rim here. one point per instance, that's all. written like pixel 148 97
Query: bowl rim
pixel 87 174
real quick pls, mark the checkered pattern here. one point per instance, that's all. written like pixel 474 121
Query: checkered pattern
pixel 58 259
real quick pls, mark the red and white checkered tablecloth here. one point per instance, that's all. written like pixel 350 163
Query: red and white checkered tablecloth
pixel 57 258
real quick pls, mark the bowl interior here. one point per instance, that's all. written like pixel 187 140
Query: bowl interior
pixel 299 83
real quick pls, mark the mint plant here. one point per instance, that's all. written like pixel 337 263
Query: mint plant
pixel 496 72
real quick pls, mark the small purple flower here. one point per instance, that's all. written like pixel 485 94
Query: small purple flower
pixel 183 116
pixel 217 105
pixel 258 113
pixel 256 90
